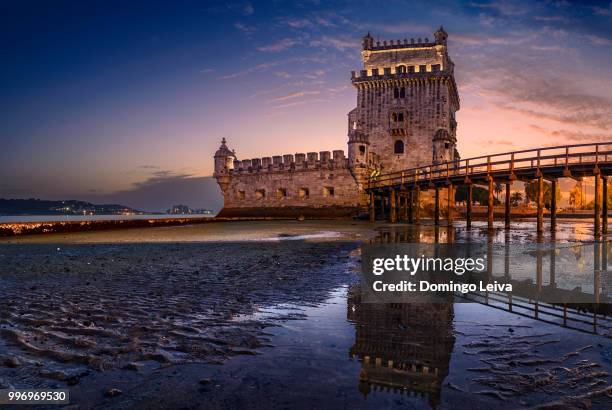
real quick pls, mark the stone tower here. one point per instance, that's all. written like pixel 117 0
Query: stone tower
pixel 406 102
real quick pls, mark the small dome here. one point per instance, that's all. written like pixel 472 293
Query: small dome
pixel 442 135
pixel 223 150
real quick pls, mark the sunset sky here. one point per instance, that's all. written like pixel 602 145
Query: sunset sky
pixel 127 101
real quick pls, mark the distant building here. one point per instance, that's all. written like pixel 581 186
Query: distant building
pixel 185 210
pixel 405 117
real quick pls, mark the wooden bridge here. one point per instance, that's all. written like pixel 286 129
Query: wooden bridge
pixel 399 192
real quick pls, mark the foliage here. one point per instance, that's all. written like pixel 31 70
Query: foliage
pixel 516 198
pixel 531 192
pixel 479 194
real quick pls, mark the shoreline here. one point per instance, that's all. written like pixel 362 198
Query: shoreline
pixel 19 229
pixel 11 229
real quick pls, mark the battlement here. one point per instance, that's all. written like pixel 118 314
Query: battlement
pixel 400 44
pixel 400 72
pixel 292 162
pixel 440 37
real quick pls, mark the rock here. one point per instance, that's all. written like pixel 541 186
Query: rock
pixel 4 384
pixel 206 381
pixel 132 366
pixel 12 362
pixel 113 392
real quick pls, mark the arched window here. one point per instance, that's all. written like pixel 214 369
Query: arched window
pixel 402 92
pixel 398 147
pixel 400 69
pixel 396 93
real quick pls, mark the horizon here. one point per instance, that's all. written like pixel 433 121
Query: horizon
pixel 127 103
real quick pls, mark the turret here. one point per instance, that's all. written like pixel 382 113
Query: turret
pixel 368 42
pixel 443 147
pixel 441 36
pixel 358 143
pixel 224 162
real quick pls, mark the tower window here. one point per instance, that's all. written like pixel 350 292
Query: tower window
pixel 446 145
pixel 303 193
pixel 402 92
pixel 400 69
pixel 240 195
pixel 396 93
pixel 362 149
pixel 260 193
pixel 398 147
pixel 400 117
pixel 328 191
pixel 281 193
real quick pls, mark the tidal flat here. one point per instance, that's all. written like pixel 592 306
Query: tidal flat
pixel 269 314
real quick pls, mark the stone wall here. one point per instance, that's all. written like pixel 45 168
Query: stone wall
pixel 292 185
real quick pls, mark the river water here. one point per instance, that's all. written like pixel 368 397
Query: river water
pixel 269 315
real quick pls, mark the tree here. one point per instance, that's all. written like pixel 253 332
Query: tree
pixel 516 198
pixel 498 188
pixel 479 194
pixel 531 192
pixel 575 198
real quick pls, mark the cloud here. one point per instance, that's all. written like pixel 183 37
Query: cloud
pixel 248 9
pixel 258 67
pixel 575 136
pixel 482 39
pixel 246 29
pixel 297 22
pixel 160 193
pixel 505 7
pixel 293 95
pixel 403 27
pixel 160 176
pixel 282 74
pixel 278 46
pixel 600 11
pixel 598 41
pixel 303 102
pixel 207 70
pixel 341 43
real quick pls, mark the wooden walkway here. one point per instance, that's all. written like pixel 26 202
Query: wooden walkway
pixel 400 191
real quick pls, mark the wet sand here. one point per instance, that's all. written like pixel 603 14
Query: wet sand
pixel 265 314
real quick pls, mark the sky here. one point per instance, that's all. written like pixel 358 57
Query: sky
pixel 114 101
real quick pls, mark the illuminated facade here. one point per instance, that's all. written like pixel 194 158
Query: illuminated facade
pixel 405 117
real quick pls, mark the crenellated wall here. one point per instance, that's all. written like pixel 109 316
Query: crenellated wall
pixel 293 185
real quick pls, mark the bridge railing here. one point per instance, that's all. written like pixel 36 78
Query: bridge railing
pixel 545 157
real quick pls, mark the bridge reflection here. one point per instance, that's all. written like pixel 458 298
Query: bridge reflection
pixel 544 287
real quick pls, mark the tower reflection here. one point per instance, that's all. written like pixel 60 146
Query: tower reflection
pixel 403 348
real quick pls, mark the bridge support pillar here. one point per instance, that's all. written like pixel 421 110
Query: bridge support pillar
pixel 507 207
pixel 553 205
pixel 597 227
pixel 437 207
pixel 383 207
pixel 540 204
pixel 372 207
pixel 468 215
pixel 411 206
pixel 604 204
pixel 417 205
pixel 449 204
pixel 490 205
pixel 393 206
